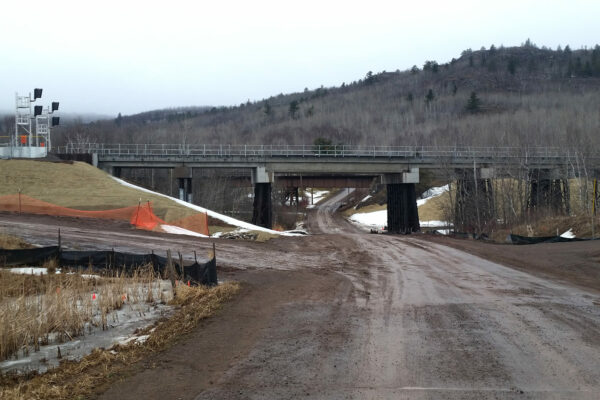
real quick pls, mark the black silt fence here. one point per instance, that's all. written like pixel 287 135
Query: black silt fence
pixel 516 239
pixel 200 273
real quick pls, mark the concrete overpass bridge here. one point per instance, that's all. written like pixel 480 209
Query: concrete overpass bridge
pixel 351 166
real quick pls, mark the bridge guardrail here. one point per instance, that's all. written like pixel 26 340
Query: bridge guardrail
pixel 271 151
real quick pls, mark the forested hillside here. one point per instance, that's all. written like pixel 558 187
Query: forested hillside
pixel 518 96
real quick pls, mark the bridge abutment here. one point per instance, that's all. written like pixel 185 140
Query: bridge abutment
pixel 262 213
pixel 402 211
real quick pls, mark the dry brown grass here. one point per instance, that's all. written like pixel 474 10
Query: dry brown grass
pixel 263 236
pixel 212 229
pixel 77 380
pixel 11 242
pixel 433 209
pixel 33 308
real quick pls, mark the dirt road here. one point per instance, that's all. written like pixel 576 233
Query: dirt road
pixel 347 315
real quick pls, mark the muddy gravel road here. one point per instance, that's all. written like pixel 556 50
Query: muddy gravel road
pixel 342 314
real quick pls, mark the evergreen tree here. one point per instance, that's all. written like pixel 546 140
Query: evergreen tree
pixel 473 104
pixel 512 66
pixel 310 111
pixel 268 110
pixel 294 108
pixel 429 97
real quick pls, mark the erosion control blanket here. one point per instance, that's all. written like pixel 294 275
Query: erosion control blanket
pixel 201 273
pixel 516 239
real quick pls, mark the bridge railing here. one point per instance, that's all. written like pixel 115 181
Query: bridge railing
pixel 271 151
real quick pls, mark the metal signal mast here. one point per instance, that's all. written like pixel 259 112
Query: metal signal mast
pixel 28 142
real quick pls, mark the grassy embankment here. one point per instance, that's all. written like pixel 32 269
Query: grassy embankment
pixel 81 186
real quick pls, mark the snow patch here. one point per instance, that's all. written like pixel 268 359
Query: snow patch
pixel 317 196
pixel 378 219
pixel 180 231
pixel 371 219
pixel 431 193
pixel 31 271
pixel 568 234
pixel 433 224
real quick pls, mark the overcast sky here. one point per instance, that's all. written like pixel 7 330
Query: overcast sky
pixel 130 56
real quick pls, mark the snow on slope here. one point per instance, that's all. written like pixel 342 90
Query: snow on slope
pixel 375 219
pixel 431 193
pixel 221 217
pixel 180 231
pixel 317 196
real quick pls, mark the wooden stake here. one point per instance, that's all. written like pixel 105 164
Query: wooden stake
pixel 138 212
pixel 182 272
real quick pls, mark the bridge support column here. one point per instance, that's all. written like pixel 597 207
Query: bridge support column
pixel 474 209
pixel 262 214
pixel 547 190
pixel 184 180
pixel 185 189
pixel 402 211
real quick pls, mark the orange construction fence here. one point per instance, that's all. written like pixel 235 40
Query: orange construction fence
pixel 141 216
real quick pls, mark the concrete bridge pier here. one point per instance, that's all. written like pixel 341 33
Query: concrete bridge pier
pixel 402 211
pixel 262 213
pixel 184 180
pixel 185 189
pixel 474 208
pixel 548 190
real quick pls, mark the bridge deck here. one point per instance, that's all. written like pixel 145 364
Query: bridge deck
pixel 333 159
